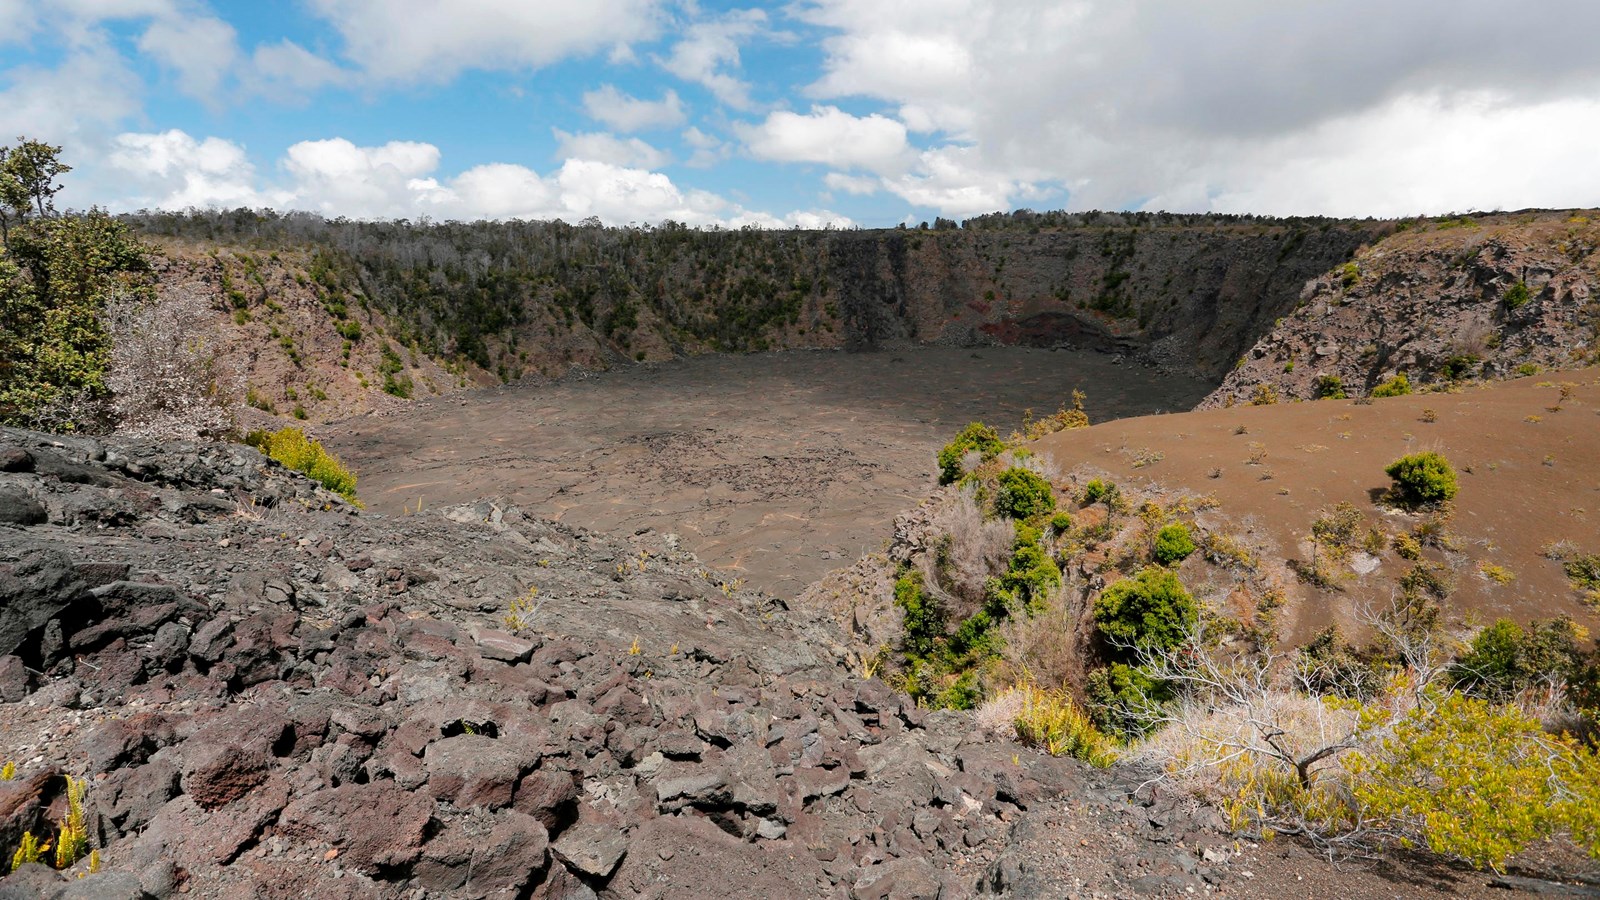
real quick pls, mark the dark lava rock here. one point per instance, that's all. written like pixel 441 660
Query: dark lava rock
pixel 18 508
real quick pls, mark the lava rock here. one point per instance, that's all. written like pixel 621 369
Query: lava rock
pixel 17 507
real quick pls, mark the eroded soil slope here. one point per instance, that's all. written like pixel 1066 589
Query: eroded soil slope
pixel 1528 464
pixel 772 468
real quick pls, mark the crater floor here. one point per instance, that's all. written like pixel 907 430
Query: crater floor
pixel 775 468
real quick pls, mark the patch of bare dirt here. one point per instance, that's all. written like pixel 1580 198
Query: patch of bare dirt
pixel 1528 464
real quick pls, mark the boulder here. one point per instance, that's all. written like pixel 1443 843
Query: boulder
pixel 374 825
pixel 591 848
pixel 215 775
pixel 17 507
pixel 474 770
pixel 33 591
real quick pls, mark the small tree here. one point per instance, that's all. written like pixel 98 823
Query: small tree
pixel 1149 610
pixel 1420 478
pixel 1023 494
pixel 1173 544
pixel 976 437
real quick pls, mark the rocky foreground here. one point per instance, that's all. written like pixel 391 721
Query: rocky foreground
pixel 274 695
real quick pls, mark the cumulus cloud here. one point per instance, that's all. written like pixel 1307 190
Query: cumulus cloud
pixel 424 40
pixel 201 50
pixel 74 103
pixel 831 136
pixel 708 148
pixel 710 47
pixel 1114 103
pixel 287 71
pixel 623 112
pixel 400 179
pixel 603 147
pixel 178 171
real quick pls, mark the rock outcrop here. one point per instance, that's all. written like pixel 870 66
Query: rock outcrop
pixel 1490 297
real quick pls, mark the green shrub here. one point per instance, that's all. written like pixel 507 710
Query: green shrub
pixel 1583 570
pixel 1398 386
pixel 1023 495
pixel 294 450
pixel 1504 658
pixel 1061 523
pixel 349 329
pixel 1458 367
pixel 1097 490
pixel 1029 577
pixel 395 380
pixel 1425 477
pixel 975 437
pixel 1125 701
pixel 1173 544
pixel 1329 387
pixel 1264 395
pixel 1518 295
pixel 1151 609
pixel 1479 782
pixel 924 620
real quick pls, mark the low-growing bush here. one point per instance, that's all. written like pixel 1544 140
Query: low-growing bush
pixel 1125 701
pixel 1031 574
pixel 1518 295
pixel 1050 721
pixel 975 438
pixel 293 449
pixel 1149 610
pixel 1173 544
pixel 1097 490
pixel 1329 387
pixel 1478 782
pixel 1505 659
pixel 1425 477
pixel 923 620
pixel 1398 386
pixel 1023 495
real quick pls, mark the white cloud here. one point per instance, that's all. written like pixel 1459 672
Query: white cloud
pixel 624 112
pixel 1424 153
pixel 180 172
pixel 1278 106
pixel 708 148
pixel 17 21
pixel 709 47
pixel 831 136
pixel 75 104
pixel 288 71
pixel 852 184
pixel 201 50
pixel 336 177
pixel 399 180
pixel 424 40
pixel 608 148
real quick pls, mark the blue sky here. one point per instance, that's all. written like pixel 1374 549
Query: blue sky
pixel 851 112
